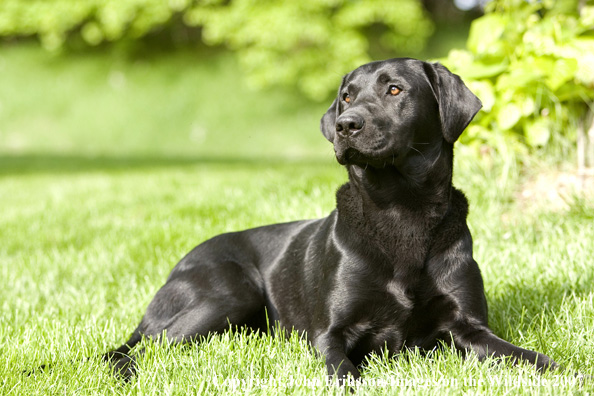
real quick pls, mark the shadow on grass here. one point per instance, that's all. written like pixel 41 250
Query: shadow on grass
pixel 56 163
pixel 538 308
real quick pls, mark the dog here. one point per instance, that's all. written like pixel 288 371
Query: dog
pixel 390 268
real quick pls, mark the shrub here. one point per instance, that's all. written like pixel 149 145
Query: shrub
pixel 532 65
pixel 308 43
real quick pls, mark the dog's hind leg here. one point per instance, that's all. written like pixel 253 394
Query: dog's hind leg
pixel 120 359
pixel 194 302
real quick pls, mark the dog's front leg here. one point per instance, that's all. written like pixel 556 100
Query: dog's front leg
pixel 484 343
pixel 338 364
pixel 340 367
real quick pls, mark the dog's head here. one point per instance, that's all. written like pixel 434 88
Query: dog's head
pixel 386 109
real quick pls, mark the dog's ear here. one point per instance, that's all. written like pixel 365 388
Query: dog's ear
pixel 457 104
pixel 328 122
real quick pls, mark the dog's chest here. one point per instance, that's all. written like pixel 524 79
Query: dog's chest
pixel 400 311
pixel 402 240
pixel 403 236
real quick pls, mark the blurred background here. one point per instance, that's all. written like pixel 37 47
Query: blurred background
pixel 251 78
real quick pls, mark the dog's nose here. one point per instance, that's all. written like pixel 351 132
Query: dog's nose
pixel 349 124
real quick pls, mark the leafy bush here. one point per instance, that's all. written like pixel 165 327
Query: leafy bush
pixel 309 43
pixel 96 20
pixel 532 65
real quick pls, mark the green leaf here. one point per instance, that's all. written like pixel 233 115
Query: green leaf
pixel 587 17
pixel 563 71
pixel 92 33
pixel 537 132
pixel 528 106
pixel 518 78
pixel 485 35
pixel 508 116
pixel 480 70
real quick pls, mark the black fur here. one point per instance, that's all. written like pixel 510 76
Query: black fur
pixel 391 267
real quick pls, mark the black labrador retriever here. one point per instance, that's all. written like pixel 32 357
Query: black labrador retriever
pixel 391 267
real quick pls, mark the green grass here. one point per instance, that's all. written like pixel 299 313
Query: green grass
pixel 186 103
pixel 99 200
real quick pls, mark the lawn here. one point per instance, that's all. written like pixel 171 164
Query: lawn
pixel 113 167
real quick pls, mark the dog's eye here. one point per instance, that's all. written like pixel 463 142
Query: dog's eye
pixel 394 90
pixel 346 97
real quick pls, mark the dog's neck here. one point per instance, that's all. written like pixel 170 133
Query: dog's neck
pixel 399 205
pixel 423 179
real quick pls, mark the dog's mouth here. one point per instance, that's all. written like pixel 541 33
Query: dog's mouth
pixel 352 156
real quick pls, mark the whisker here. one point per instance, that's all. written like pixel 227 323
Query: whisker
pixel 412 148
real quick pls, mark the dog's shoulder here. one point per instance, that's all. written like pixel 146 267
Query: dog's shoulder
pixel 458 204
pixel 453 229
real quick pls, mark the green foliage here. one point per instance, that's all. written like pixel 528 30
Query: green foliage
pixel 96 20
pixel 532 65
pixel 307 43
